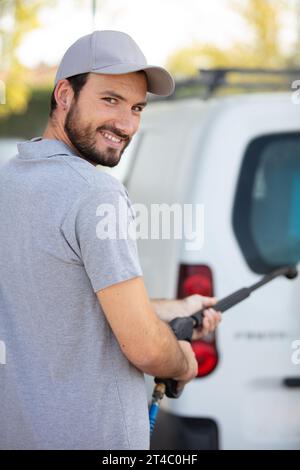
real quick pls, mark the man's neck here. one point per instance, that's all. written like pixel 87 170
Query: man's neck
pixel 53 132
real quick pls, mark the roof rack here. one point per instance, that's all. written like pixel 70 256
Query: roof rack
pixel 211 80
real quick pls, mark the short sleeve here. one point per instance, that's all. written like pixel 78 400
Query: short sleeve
pixel 100 229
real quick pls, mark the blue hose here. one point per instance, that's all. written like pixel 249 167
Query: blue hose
pixel 153 412
pixel 158 394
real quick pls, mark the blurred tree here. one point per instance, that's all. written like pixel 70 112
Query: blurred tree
pixel 295 56
pixel 262 19
pixel 17 18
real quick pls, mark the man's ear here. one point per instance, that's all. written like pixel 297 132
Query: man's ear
pixel 63 94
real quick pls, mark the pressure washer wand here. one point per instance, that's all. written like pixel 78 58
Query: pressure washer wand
pixel 242 294
pixel 183 329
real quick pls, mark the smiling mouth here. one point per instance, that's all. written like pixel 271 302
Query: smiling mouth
pixel 112 139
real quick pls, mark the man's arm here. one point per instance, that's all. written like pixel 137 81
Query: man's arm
pixel 144 339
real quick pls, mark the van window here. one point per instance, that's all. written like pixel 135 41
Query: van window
pixel 266 214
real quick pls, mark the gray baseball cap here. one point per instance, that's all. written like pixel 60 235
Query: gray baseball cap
pixel 112 52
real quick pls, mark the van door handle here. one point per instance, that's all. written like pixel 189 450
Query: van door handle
pixel 292 382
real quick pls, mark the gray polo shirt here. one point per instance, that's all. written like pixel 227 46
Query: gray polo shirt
pixel 64 382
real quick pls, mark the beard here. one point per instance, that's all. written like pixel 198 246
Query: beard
pixel 83 138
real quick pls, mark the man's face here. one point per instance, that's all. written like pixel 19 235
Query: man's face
pixel 106 115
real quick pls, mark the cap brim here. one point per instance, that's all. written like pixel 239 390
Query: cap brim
pixel 160 82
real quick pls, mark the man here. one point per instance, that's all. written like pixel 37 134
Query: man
pixel 77 323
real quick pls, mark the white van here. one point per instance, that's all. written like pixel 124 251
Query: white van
pixel 8 148
pixel 239 156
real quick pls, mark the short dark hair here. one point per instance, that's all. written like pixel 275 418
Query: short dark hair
pixel 77 82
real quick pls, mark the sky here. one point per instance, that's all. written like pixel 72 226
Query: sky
pixel 158 26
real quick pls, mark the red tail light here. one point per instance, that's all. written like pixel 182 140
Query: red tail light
pixel 197 279
pixel 206 355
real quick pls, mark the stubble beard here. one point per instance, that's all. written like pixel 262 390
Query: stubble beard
pixel 83 138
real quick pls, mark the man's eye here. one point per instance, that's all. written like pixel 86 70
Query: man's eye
pixel 110 100
pixel 138 109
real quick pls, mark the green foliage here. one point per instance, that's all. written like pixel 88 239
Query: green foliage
pixel 23 15
pixel 33 120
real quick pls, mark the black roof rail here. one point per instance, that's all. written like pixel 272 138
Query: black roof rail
pixel 210 80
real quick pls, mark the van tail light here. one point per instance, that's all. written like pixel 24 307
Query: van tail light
pixel 197 279
pixel 206 355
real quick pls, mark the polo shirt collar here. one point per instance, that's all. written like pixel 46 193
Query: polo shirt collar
pixel 43 148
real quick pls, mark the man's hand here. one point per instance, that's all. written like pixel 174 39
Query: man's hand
pixel 167 310
pixel 192 365
pixel 212 318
